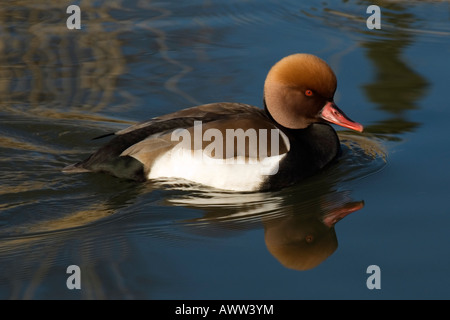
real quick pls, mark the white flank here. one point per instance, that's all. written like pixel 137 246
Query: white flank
pixel 233 175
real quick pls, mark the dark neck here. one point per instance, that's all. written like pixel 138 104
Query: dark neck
pixel 283 128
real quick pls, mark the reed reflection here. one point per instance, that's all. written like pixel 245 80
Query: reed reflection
pixel 396 87
pixel 37 245
pixel 52 71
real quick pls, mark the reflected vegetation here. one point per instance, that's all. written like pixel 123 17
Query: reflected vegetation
pixel 37 245
pixel 53 70
pixel 397 87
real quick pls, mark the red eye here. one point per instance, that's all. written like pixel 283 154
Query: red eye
pixel 309 93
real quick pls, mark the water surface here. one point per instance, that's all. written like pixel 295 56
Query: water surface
pixel 383 203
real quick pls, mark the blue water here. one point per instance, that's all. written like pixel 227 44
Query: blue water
pixel 134 60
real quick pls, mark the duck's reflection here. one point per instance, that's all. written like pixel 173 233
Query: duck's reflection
pixel 299 230
pixel 302 241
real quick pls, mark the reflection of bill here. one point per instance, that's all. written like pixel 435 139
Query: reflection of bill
pixel 303 241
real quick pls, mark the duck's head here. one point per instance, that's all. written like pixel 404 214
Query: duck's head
pixel 299 91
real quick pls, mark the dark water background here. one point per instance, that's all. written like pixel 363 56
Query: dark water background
pixel 134 60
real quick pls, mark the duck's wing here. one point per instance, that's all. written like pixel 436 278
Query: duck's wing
pixel 246 136
pixel 146 138
pixel 185 118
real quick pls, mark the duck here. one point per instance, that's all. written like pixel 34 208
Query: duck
pixel 235 146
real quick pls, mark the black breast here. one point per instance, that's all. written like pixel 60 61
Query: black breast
pixel 311 149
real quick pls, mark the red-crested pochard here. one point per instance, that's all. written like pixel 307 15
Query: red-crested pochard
pixel 290 139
